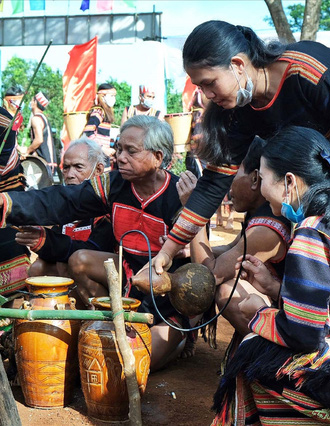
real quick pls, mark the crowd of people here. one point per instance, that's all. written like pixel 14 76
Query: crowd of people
pixel 263 141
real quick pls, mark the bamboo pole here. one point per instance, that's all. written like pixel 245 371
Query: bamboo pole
pixel 126 352
pixel 32 315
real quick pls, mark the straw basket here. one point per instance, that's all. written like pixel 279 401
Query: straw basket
pixel 75 123
pixel 181 126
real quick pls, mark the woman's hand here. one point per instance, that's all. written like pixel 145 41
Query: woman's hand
pixel 161 262
pixel 250 305
pixel 29 235
pixel 182 253
pixel 186 185
pixel 259 276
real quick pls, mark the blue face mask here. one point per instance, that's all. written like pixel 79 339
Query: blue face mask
pixel 293 216
pixel 287 210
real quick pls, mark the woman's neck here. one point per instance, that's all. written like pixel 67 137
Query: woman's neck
pixel 267 81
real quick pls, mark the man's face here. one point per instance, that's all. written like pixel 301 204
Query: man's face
pixel 76 167
pixel 134 162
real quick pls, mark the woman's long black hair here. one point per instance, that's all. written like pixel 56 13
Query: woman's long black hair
pixel 213 44
pixel 305 153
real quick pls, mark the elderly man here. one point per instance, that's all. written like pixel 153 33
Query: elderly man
pixel 140 195
pixel 82 160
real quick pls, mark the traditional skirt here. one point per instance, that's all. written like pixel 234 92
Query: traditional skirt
pixel 14 262
pixel 263 384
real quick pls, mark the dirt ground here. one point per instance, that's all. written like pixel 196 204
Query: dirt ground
pixel 179 395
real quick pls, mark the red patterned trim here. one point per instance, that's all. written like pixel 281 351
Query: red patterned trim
pixel 41 241
pixel 13 274
pixel 161 190
pixel 101 186
pixel 315 66
pixel 273 224
pixel 263 323
pixel 230 170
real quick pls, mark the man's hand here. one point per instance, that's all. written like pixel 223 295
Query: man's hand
pixel 186 185
pixel 29 235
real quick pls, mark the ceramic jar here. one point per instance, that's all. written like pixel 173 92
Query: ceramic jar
pixel 101 366
pixel 46 350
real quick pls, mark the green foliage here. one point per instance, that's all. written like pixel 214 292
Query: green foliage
pixel 174 99
pixel 296 16
pixel 123 98
pixel 20 71
pixel 325 15
pixel 178 164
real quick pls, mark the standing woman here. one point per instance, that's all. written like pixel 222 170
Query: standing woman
pixel 255 89
pixel 281 371
pixel 100 118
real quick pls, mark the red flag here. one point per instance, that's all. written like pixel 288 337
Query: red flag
pixel 187 94
pixel 79 80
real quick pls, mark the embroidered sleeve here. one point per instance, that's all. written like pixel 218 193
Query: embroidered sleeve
pixel 56 205
pixel 203 202
pixel 95 118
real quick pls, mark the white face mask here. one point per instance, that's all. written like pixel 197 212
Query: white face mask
pixel 148 103
pixel 244 96
pixel 110 100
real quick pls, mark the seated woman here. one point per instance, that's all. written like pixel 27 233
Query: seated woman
pixel 267 237
pixel 140 195
pixel 282 368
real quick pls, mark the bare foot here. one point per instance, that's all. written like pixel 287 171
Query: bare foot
pixel 190 346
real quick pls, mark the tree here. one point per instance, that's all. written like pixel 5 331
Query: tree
pixel 280 21
pixel 297 16
pixel 310 22
pixel 174 99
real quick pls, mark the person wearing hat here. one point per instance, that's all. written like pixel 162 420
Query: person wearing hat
pixel 100 119
pixel 14 258
pixel 145 107
pixel 41 135
pixel 11 103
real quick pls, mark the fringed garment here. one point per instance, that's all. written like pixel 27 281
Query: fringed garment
pixel 280 374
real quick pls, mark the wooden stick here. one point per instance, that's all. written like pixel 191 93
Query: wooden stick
pixel 8 409
pixel 124 347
